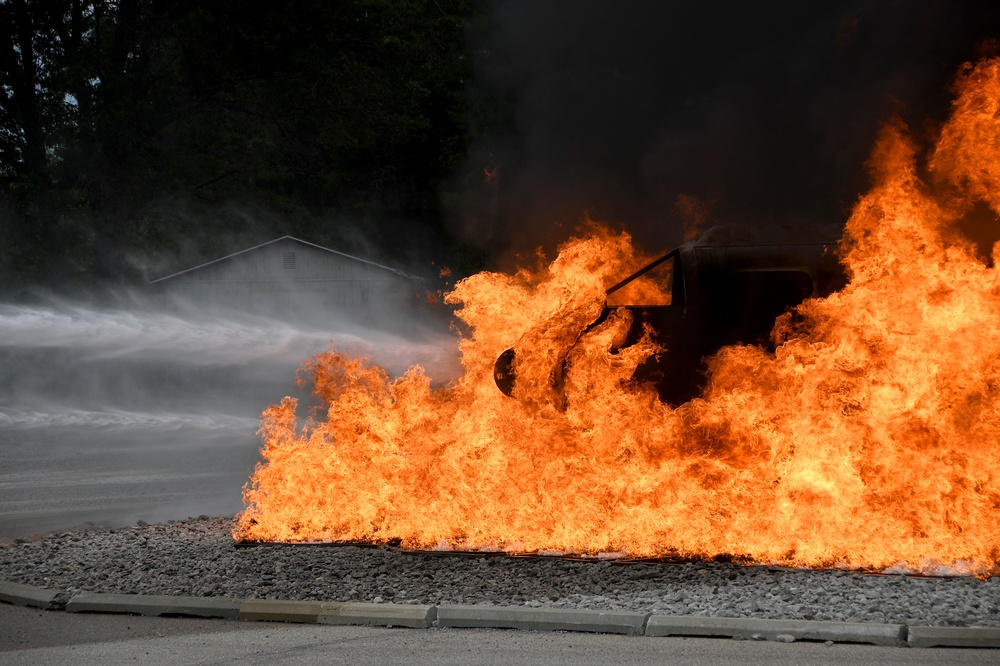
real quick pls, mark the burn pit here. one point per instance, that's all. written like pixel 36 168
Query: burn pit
pixel 103 561
pixel 866 439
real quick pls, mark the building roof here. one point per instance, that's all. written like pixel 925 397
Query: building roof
pixel 295 240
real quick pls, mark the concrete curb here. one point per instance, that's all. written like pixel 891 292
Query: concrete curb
pixel 142 604
pixel 385 615
pixel 503 617
pixel 320 612
pixel 276 610
pixel 893 635
pixel 28 595
pixel 977 637
pixel 541 619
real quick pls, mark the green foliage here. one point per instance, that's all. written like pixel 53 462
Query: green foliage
pixel 130 129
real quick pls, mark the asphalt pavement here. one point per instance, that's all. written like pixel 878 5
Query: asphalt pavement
pixel 64 477
pixel 51 638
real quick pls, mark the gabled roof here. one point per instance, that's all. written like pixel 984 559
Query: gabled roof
pixel 295 240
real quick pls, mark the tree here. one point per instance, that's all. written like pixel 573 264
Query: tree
pixel 127 125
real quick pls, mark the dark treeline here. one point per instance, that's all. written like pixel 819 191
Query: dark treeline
pixel 139 136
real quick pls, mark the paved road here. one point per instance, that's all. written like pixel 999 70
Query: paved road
pixel 64 477
pixel 31 636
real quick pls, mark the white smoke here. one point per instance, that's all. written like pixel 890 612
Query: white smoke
pixel 114 415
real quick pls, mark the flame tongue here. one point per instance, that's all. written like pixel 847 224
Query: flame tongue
pixel 868 439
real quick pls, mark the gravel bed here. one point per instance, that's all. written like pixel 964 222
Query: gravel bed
pixel 198 557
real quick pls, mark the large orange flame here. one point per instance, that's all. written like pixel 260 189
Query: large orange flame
pixel 869 439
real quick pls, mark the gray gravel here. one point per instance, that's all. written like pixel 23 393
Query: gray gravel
pixel 198 557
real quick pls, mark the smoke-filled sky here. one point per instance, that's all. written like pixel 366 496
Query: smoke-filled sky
pixel 650 114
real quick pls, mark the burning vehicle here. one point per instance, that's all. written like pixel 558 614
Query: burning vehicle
pixel 726 287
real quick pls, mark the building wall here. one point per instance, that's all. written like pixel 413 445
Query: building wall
pixel 289 279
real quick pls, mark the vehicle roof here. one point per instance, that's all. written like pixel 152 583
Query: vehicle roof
pixel 778 234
